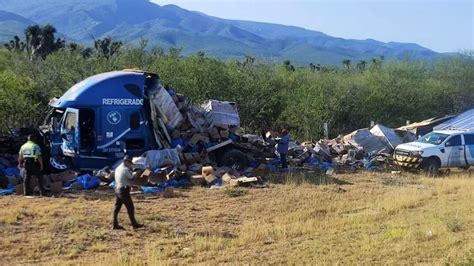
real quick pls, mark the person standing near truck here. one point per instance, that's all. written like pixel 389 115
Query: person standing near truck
pixel 282 147
pixel 123 179
pixel 30 158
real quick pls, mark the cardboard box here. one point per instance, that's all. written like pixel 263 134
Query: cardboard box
pixel 223 170
pixel 33 184
pixel 207 170
pixel 224 134
pixel 19 189
pixel 242 181
pixel 158 178
pixel 56 187
pixel 146 173
pixel 227 178
pixel 197 180
pixel 214 133
pixel 210 178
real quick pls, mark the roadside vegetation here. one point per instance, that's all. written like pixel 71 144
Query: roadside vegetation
pixel 35 68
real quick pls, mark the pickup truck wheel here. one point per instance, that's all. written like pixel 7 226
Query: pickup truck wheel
pixel 431 167
pixel 234 159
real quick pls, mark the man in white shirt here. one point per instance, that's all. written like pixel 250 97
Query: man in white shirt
pixel 123 179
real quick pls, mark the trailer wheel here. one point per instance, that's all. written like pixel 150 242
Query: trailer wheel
pixel 431 167
pixel 234 159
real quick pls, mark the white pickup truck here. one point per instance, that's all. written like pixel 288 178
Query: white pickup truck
pixel 438 149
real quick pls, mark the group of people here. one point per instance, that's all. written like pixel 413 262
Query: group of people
pixel 31 160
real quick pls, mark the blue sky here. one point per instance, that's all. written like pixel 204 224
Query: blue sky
pixel 443 26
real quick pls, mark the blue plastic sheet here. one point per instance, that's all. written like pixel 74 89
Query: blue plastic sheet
pixel 369 165
pixel 178 141
pixel 325 166
pixel 313 160
pixel 170 183
pixel 12 171
pixel 87 182
pixel 8 191
pixel 217 182
pixel 194 148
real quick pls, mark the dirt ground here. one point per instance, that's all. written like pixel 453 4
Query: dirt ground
pixel 369 218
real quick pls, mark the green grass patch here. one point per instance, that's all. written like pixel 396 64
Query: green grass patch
pixel 235 192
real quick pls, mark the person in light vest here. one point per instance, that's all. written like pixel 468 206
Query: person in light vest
pixel 123 182
pixel 30 159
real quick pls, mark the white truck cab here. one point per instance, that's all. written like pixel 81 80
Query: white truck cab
pixel 437 149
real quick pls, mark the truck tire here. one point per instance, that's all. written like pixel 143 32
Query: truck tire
pixel 57 165
pixel 431 167
pixel 234 159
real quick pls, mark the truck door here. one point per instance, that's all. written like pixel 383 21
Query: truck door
pixel 469 146
pixel 70 132
pixel 455 151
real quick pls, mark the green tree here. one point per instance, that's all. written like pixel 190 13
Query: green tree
pixel 107 47
pixel 16 105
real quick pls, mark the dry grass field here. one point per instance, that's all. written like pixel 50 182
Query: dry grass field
pixel 377 219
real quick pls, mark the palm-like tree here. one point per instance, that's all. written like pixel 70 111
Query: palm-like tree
pixel 15 44
pixel 107 47
pixel 41 41
pixel 361 65
pixel 347 63
pixel 288 66
pixel 33 40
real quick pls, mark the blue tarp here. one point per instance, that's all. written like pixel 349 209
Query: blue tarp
pixel 170 183
pixel 178 141
pixel 87 182
pixel 8 191
pixel 12 171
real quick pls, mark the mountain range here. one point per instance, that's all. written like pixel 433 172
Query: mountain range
pixel 171 26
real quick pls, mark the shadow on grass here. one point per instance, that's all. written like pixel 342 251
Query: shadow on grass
pixel 305 178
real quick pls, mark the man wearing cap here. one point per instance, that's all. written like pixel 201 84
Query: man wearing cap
pixel 30 158
pixel 123 178
pixel 282 147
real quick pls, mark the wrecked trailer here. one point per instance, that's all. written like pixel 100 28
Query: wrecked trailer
pixel 102 118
